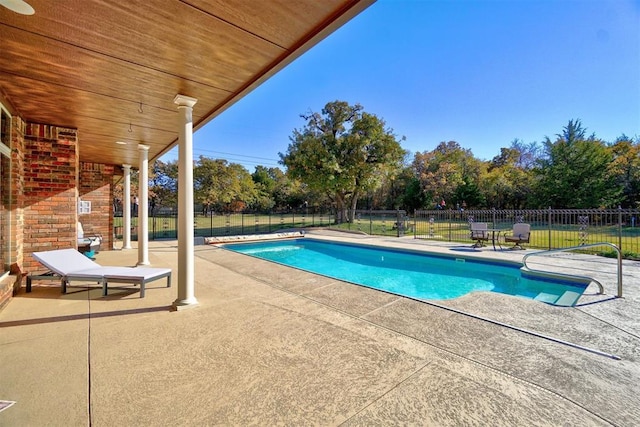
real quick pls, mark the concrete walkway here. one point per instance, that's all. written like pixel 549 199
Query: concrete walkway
pixel 268 345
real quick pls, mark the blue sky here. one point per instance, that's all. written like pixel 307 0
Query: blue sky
pixel 481 73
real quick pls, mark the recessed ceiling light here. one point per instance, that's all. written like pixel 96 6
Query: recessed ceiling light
pixel 18 6
pixel 121 143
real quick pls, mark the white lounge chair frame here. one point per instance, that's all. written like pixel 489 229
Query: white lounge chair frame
pixel 70 265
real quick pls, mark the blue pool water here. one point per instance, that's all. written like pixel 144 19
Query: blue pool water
pixel 410 274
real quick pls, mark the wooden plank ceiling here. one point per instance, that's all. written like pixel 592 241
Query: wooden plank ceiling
pixel 111 69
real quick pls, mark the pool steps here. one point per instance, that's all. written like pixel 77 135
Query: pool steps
pixel 567 299
pixel 578 248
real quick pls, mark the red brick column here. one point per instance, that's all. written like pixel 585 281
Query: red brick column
pixel 51 165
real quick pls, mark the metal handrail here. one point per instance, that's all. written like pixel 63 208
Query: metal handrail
pixel 617 249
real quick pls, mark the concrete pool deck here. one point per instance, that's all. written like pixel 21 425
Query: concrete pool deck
pixel 268 345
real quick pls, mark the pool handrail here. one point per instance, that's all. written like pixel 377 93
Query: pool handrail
pixel 601 288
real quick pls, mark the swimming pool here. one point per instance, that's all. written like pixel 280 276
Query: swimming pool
pixel 407 273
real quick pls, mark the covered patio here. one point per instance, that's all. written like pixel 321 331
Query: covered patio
pixel 91 90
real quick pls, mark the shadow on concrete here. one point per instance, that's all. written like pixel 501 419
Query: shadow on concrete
pixel 71 317
pixel 584 304
pixel 83 292
pixel 465 249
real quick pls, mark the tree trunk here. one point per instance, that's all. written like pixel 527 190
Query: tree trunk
pixel 354 204
pixel 341 209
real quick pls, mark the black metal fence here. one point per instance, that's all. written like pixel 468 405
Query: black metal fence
pixel 394 223
pixel 164 225
pixel 550 228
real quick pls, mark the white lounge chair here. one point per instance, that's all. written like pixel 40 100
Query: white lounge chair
pixel 70 265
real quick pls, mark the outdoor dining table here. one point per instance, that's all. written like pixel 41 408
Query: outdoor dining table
pixel 495 236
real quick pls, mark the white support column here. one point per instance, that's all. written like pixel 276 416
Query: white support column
pixel 186 284
pixel 143 205
pixel 126 208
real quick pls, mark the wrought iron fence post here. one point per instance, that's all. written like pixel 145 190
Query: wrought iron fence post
pixel 370 222
pixel 242 223
pixel 450 225
pixel 549 226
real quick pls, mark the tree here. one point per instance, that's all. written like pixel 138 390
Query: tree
pixel 575 172
pixel 405 189
pixel 449 173
pixel 413 197
pixel 509 178
pixel 278 191
pixel 163 184
pixel 342 151
pixel 265 186
pixel 222 185
pixel 626 169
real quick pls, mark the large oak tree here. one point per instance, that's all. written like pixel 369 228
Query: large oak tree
pixel 344 152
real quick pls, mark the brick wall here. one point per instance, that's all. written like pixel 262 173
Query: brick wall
pixel 47 180
pixel 50 190
pixel 96 186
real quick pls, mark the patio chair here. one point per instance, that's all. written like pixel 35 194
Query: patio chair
pixel 70 265
pixel 479 233
pixel 519 235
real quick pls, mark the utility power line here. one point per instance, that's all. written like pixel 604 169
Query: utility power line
pixel 234 154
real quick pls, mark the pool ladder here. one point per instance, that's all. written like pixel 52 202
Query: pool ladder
pixel 601 288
